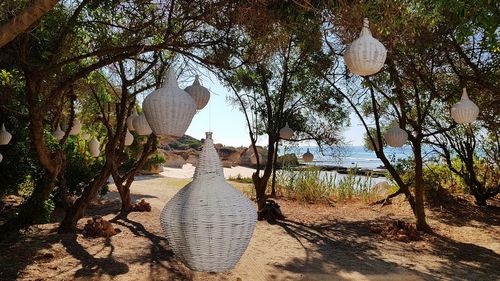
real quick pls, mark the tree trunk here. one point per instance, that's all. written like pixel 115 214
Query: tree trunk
pixel 273 181
pixel 419 189
pixel 23 21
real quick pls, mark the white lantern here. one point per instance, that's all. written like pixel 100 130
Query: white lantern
pixel 129 138
pixel 1 158
pixel 465 111
pixel 130 120
pixel 169 109
pixel 86 136
pixel 94 147
pixel 58 134
pixel 208 223
pixel 200 94
pixel 76 128
pixel 396 137
pixel 5 136
pixel 286 133
pixel 141 125
pixel 308 156
pixel 366 55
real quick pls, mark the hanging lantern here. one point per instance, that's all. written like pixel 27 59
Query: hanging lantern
pixel 76 128
pixel 130 120
pixel 208 223
pixel 129 138
pixel 308 156
pixel 286 133
pixel 366 55
pixel 5 136
pixel 94 147
pixel 141 125
pixel 58 134
pixel 1 158
pixel 86 136
pixel 396 137
pixel 465 111
pixel 169 110
pixel 200 94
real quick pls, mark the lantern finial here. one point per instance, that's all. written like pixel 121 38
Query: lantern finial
pixel 209 135
pixel 464 94
pixel 171 79
pixel 196 80
pixel 366 28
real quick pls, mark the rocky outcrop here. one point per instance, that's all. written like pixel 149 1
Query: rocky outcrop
pixel 249 159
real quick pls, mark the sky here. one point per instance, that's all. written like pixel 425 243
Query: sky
pixel 228 124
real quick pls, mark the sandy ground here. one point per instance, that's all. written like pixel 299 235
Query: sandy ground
pixel 316 242
pixel 187 172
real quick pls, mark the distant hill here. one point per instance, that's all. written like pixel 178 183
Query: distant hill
pixel 184 143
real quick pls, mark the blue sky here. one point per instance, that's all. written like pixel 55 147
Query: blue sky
pixel 228 123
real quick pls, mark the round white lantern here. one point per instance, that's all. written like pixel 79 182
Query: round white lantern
pixel 76 128
pixel 286 133
pixel 141 125
pixel 1 158
pixel 129 138
pixel 94 147
pixel 366 55
pixel 130 120
pixel 396 137
pixel 308 156
pixel 208 223
pixel 58 133
pixel 86 136
pixel 465 111
pixel 200 94
pixel 5 136
pixel 169 109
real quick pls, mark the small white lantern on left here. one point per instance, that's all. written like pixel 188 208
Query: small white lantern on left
pixel 465 111
pixel 58 134
pixel 1 158
pixel 308 156
pixel 129 138
pixel 76 128
pixel 94 147
pixel 5 136
pixel 141 125
pixel 130 120
pixel 286 132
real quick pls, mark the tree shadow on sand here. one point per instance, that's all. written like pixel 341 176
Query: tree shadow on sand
pixel 349 247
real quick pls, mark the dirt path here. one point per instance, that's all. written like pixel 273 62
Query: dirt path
pixel 316 242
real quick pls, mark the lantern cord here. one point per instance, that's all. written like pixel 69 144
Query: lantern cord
pixel 209 115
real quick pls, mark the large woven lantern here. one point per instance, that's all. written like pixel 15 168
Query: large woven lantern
pixel 5 136
pixel 129 138
pixel 366 55
pixel 58 133
pixel 208 223
pixel 308 156
pixel 169 109
pixel 286 133
pixel 141 125
pixel 130 120
pixel 94 147
pixel 465 111
pixel 200 94
pixel 76 128
pixel 396 137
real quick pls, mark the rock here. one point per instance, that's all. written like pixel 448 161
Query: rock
pixel 142 206
pixel 99 227
pixel 403 238
pixel 173 160
pixel 248 158
pixel 288 160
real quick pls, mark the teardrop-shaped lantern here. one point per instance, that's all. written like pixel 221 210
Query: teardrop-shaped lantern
pixel 141 125
pixel 1 158
pixel 366 55
pixel 200 94
pixel 286 133
pixel 208 223
pixel 396 137
pixel 58 133
pixel 169 109
pixel 308 156
pixel 465 111
pixel 130 120
pixel 5 136
pixel 76 128
pixel 94 147
pixel 86 136
pixel 129 138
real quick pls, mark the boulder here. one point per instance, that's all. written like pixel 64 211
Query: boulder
pixel 248 158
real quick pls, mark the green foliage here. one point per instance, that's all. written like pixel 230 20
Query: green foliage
pixel 184 143
pixel 240 179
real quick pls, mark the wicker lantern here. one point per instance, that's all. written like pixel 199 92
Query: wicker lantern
pixel 286 133
pixel 5 136
pixel 130 120
pixel 1 158
pixel 58 134
pixel 465 111
pixel 396 137
pixel 200 94
pixel 76 128
pixel 141 125
pixel 366 55
pixel 94 147
pixel 129 138
pixel 308 156
pixel 208 223
pixel 86 136
pixel 169 109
